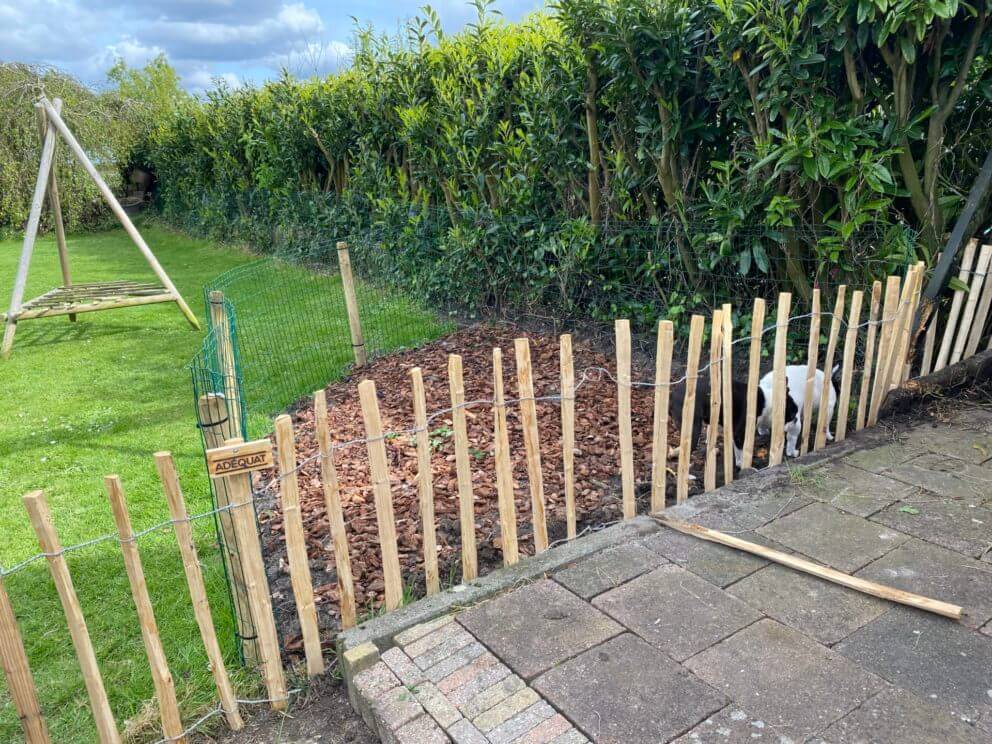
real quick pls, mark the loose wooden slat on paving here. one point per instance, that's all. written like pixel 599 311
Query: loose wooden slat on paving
pixel 532 442
pixel 974 292
pixel 197 589
pixel 622 331
pixel 20 683
pixel 753 377
pixel 812 364
pixel 777 446
pixel 425 482
pixel 950 325
pixel 504 469
pixel 981 317
pixel 41 520
pixel 662 396
pixel 822 418
pixel 727 377
pixel 696 327
pixel 463 469
pixel 847 368
pixel 876 300
pixel 351 305
pixel 379 468
pixel 713 421
pixel 887 324
pixel 296 545
pixel 165 689
pixel 567 368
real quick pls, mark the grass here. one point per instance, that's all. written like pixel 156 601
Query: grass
pixel 99 396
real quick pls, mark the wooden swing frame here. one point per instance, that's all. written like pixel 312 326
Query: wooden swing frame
pixel 71 299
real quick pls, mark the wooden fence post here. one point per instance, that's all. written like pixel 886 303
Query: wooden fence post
pixel 716 344
pixel 812 362
pixel 41 520
pixel 351 303
pixel 379 468
pixel 696 327
pixel 296 545
pixel 977 280
pixel 463 469
pixel 847 369
pixel 220 323
pixel 753 375
pixel 20 683
pixel 532 442
pixel 197 589
pixel 165 689
pixel 425 483
pixel 822 419
pixel 727 376
pixel 626 436
pixel 504 469
pixel 958 299
pixel 893 368
pixel 662 396
pixel 777 446
pixel 565 365
pixel 889 317
pixel 876 299
pixel 981 315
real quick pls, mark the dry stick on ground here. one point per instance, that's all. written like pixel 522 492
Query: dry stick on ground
pixel 716 343
pixel 622 330
pixel 425 483
pixel 532 442
pixel 777 446
pixel 504 468
pixel 867 587
pixel 847 370
pixel 568 429
pixel 463 469
pixel 662 394
pixel 952 315
pixel 727 375
pixel 16 671
pixel 696 327
pixel 753 373
pixel 812 355
pixel 964 330
pixel 876 298
pixel 823 418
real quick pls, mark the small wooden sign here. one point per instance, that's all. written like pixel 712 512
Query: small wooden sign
pixel 236 459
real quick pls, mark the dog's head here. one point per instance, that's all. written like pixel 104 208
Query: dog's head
pixel 764 405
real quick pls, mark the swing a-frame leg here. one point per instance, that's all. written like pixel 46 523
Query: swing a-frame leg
pixel 72 299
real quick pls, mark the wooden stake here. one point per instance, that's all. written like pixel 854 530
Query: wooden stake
pixel 220 324
pixel 54 201
pixel 532 444
pixel 822 420
pixel 425 481
pixel 847 369
pixel 296 545
pixel 812 364
pixel 799 564
pixel 622 330
pixel 662 395
pixel 964 330
pixel 716 344
pixel 463 467
pixel 351 304
pixel 956 302
pixel 727 376
pixel 981 315
pixel 20 683
pixel 930 339
pixel 909 337
pixel 888 322
pixel 165 689
pixel 41 520
pixel 876 299
pixel 568 430
pixel 753 375
pixel 897 349
pixel 777 446
pixel 504 468
pixel 696 327
pixel 197 589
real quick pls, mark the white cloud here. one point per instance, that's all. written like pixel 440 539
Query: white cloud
pixel 312 58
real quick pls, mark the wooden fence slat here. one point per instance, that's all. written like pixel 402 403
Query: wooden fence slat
pixel 532 442
pixel 197 589
pixel 812 362
pixel 20 683
pixel 727 376
pixel 910 339
pixel 900 337
pixel 379 469
pixel 567 369
pixel 257 585
pixel 887 324
pixel 463 469
pixel 977 280
pixel 713 422
pixel 296 545
pixel 822 417
pixel 981 315
pixel 777 446
pixel 931 337
pixel 662 396
pixel 622 331
pixel 165 688
pixel 696 328
pixel 504 467
pixel 876 301
pixel 351 305
pixel 41 520
pixel 950 326
pixel 753 377
pixel 425 483
pixel 847 369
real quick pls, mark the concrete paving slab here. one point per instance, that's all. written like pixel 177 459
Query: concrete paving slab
pixel 879 459
pixel 940 660
pixel 421 730
pixel 537 626
pixel 607 569
pixel 853 490
pixel 895 716
pixel 717 564
pixel 792 683
pixel 945 476
pixel 917 566
pixel 656 605
pixel 732 725
pixel 818 608
pixel 963 442
pixel 626 690
pixel 833 537
pixel 962 526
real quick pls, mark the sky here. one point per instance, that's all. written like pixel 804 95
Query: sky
pixel 232 40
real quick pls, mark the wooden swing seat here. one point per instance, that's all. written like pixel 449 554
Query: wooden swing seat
pixel 91 297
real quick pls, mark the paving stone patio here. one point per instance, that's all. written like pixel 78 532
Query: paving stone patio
pixel 667 638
